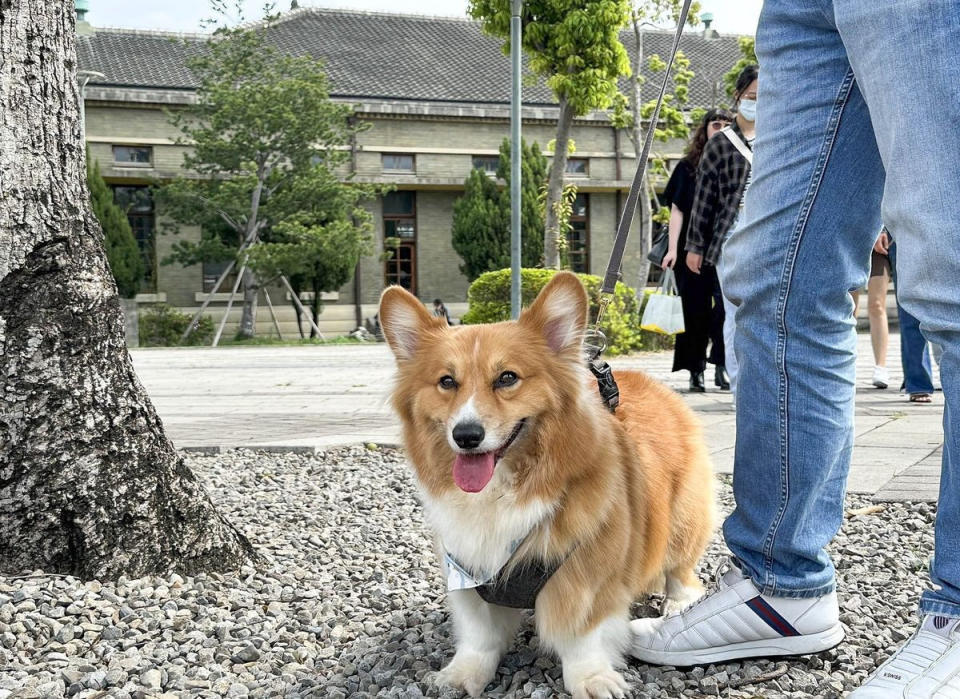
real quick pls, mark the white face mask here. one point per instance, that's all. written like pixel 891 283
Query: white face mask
pixel 748 109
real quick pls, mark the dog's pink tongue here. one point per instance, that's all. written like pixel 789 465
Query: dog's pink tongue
pixel 472 472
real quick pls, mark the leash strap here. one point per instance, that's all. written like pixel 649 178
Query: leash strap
pixel 626 217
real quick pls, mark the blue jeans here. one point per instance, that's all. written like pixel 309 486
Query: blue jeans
pixel 858 108
pixel 914 354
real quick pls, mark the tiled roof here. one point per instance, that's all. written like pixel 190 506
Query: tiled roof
pixel 378 55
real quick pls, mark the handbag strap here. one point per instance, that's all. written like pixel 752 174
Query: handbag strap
pixel 738 144
pixel 668 285
pixel 629 209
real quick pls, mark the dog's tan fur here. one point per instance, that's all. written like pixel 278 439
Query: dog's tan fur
pixel 631 496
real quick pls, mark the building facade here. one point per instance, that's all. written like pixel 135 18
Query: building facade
pixel 435 92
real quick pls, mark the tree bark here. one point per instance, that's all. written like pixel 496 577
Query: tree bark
pixel 251 292
pixel 89 483
pixel 551 257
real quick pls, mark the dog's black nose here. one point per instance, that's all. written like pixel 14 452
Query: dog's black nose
pixel 468 435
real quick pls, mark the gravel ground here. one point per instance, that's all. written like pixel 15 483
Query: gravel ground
pixel 350 603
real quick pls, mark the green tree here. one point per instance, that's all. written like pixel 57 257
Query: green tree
pixel 672 123
pixel 533 176
pixel 321 233
pixel 266 144
pixel 123 253
pixel 748 56
pixel 481 217
pixel 481 226
pixel 575 47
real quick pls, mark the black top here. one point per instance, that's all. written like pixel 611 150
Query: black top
pixel 721 181
pixel 680 190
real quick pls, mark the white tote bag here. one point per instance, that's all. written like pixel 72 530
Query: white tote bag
pixel 664 311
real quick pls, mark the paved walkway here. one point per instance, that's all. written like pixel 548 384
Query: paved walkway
pixel 316 397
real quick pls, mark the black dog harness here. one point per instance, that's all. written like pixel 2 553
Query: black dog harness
pixel 519 589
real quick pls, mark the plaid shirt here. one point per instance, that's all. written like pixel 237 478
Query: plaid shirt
pixel 721 179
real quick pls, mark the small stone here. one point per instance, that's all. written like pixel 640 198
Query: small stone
pixel 247 654
pixel 151 679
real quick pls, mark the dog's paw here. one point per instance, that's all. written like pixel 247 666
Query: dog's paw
pixel 471 672
pixel 604 684
pixel 680 600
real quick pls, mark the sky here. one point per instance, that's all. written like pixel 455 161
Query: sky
pixel 730 16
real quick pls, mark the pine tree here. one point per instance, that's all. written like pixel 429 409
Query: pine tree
pixel 481 217
pixel 481 226
pixel 533 173
pixel 123 253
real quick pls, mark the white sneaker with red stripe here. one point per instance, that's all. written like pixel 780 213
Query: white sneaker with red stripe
pixel 926 667
pixel 736 621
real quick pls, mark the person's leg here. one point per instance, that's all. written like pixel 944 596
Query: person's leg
pixel 906 65
pixel 690 348
pixel 877 312
pixel 788 270
pixel 914 355
pixel 729 333
pixel 791 266
pixel 718 355
pixel 855 295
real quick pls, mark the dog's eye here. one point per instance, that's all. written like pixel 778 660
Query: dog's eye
pixel 507 378
pixel 447 382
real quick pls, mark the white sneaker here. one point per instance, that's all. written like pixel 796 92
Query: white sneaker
pixel 926 667
pixel 736 621
pixel 881 377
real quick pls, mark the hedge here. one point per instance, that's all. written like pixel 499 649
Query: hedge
pixel 163 325
pixel 489 302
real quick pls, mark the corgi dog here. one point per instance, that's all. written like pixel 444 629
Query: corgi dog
pixel 523 471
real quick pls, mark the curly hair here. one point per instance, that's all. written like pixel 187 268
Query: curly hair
pixel 695 146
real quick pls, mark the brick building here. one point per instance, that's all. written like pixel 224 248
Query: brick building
pixel 436 92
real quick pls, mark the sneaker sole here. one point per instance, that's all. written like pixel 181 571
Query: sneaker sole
pixel 788 645
pixel 880 384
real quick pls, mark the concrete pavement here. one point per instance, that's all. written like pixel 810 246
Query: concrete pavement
pixel 306 398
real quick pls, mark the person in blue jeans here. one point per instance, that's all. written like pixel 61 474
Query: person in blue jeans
pixel 857 121
pixel 914 353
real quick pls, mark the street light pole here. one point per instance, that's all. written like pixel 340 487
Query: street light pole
pixel 515 156
pixel 85 76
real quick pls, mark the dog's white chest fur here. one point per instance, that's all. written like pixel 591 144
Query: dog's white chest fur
pixel 479 529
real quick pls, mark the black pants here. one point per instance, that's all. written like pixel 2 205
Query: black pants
pixel 702 318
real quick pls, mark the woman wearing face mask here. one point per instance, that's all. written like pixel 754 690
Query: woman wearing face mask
pixel 722 182
pixel 700 293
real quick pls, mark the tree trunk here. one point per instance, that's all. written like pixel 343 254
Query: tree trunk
pixel 551 257
pixel 89 483
pixel 636 136
pixel 251 292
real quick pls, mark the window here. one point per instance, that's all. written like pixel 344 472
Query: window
pixel 140 156
pixel 397 162
pixel 400 239
pixel 212 272
pixel 487 163
pixel 137 202
pixel 578 239
pixel 578 167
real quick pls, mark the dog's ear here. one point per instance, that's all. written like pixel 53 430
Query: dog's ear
pixel 559 312
pixel 403 318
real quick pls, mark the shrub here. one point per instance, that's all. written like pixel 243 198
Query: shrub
pixel 163 325
pixel 123 253
pixel 489 299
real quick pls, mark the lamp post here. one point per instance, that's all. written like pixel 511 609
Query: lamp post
pixel 85 76
pixel 515 156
